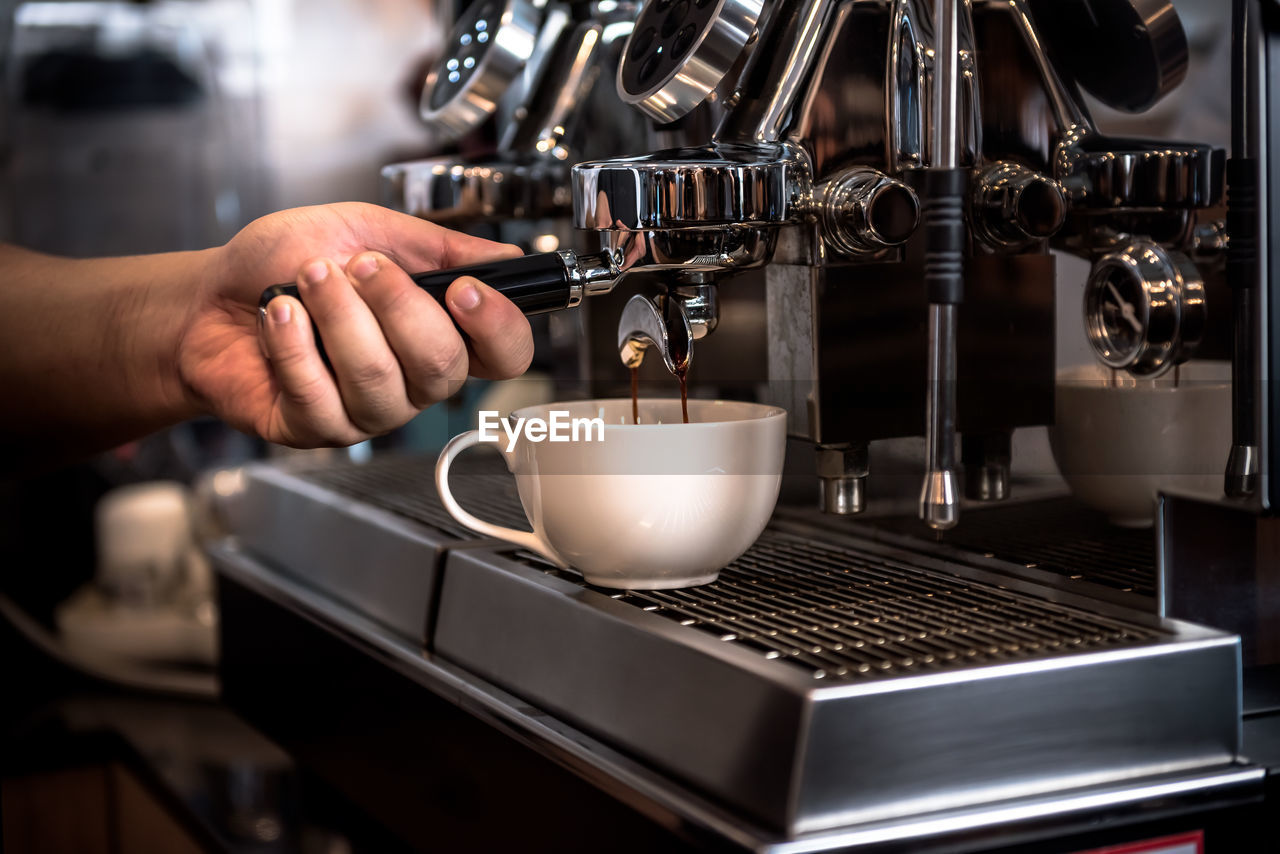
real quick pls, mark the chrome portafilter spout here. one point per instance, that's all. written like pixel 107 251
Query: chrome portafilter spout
pixel 670 321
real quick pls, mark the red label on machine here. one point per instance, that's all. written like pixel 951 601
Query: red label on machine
pixel 1182 843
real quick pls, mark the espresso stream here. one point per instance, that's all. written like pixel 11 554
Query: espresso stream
pixel 683 376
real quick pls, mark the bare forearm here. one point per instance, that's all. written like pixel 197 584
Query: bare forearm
pixel 91 348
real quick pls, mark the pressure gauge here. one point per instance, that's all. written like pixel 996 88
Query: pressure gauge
pixel 485 54
pixel 1144 308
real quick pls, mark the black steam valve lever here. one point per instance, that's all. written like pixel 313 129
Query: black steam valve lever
pixel 1246 246
pixel 549 281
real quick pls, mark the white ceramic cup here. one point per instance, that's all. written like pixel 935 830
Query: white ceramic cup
pixel 653 505
pixel 1120 441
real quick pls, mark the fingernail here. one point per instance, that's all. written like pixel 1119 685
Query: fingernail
pixel 280 311
pixel 364 266
pixel 466 297
pixel 316 272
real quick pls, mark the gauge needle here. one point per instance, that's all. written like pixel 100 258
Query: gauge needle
pixel 1126 310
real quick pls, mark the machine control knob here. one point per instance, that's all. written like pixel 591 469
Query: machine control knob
pixel 1144 308
pixel 485 55
pixel 681 50
pixel 1014 205
pixel 866 211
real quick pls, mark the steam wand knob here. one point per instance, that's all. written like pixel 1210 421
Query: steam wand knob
pixel 864 210
pixel 1014 205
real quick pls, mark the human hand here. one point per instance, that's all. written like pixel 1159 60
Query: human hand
pixel 394 350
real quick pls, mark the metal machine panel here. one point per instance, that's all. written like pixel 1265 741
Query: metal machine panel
pixel 356 532
pixel 816 685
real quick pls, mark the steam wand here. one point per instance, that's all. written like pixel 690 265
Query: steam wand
pixel 944 224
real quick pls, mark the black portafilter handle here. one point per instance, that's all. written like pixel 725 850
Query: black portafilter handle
pixel 535 283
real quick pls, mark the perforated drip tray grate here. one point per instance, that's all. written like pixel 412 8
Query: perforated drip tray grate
pixel 406 486
pixel 1058 536
pixel 846 614
pixel 818 682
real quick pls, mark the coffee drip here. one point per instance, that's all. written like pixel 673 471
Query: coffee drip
pixel 682 375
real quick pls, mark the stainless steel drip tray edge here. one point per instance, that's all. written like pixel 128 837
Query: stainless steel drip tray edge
pixel 384 566
pixel 648 790
pixel 768 740
pixel 1234 783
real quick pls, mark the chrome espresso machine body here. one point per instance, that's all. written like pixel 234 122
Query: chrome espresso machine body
pixel 1013 675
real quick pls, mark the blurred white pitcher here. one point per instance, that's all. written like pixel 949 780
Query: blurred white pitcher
pixel 653 505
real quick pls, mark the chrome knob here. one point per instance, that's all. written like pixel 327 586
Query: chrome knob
pixel 1144 308
pixel 681 50
pixel 866 211
pixel 486 53
pixel 1014 205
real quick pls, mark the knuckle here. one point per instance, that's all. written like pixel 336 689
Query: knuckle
pixel 391 299
pixel 446 360
pixel 374 373
pixel 307 394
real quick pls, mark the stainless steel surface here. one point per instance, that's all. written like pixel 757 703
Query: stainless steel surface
pixel 1102 173
pixel 318 524
pixel 488 49
pixel 865 211
pixel 1144 308
pixel 720 185
pixel 546 117
pixel 944 130
pixel 842 472
pixel 452 191
pixel 1054 541
pixel 674 804
pixel 990 482
pixel 1241 477
pixel 680 53
pixel 643 325
pixel 811 680
pixel 773 81
pixel 1014 205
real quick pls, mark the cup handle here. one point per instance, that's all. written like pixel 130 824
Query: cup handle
pixel 525 539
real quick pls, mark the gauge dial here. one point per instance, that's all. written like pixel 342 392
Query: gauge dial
pixel 1117 310
pixel 1144 308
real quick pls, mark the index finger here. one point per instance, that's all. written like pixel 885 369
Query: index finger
pixel 418 246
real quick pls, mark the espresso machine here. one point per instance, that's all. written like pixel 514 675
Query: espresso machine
pixel 529 88
pixel 987 672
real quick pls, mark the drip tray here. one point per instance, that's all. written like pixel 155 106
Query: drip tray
pixel 825 680
pixel 370 535
pixel 817 685
pixel 1056 541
